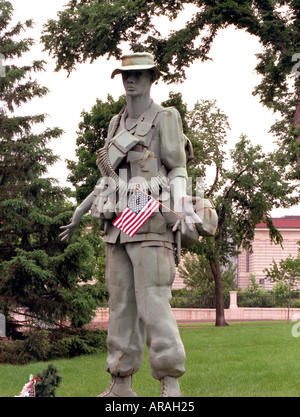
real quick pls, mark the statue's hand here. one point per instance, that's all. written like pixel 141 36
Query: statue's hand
pixel 68 232
pixel 75 220
pixel 185 208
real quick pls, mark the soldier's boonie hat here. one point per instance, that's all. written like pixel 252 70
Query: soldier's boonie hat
pixel 137 61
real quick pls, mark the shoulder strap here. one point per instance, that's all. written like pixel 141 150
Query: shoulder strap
pixel 152 113
pixel 143 130
pixel 117 122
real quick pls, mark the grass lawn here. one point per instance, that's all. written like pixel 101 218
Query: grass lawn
pixel 241 360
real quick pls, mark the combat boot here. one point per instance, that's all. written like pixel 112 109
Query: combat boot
pixel 170 387
pixel 119 387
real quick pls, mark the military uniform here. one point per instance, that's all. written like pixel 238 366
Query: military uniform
pixel 140 270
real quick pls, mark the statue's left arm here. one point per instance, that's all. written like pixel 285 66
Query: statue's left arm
pixel 83 208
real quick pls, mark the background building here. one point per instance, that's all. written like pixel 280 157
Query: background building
pixel 264 252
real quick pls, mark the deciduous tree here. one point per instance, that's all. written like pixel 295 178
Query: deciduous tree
pixel 88 29
pixel 92 133
pixel 247 185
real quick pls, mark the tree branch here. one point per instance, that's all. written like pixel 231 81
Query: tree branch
pixel 215 182
pixel 234 183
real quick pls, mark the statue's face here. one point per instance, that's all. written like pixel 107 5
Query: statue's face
pixel 137 82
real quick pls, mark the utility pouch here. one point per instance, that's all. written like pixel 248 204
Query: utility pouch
pixel 119 147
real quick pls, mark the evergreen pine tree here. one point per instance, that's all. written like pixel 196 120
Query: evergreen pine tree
pixel 39 276
pixel 93 129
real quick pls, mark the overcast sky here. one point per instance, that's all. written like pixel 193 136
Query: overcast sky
pixel 229 78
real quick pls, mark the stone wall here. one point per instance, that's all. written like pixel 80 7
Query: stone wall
pixel 207 315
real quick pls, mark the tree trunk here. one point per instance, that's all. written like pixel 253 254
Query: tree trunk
pixel 297 127
pixel 220 314
pixel 289 303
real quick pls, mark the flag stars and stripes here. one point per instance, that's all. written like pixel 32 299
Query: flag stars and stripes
pixel 140 207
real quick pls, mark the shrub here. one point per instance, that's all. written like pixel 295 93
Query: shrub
pixel 255 296
pixel 44 345
pixel 281 293
pixel 196 298
pixel 261 299
pixel 295 303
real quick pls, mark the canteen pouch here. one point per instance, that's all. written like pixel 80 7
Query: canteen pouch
pixel 207 213
pixel 188 238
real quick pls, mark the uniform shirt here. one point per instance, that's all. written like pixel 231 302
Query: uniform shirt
pixel 165 147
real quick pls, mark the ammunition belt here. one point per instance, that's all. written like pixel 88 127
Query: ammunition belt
pixel 160 181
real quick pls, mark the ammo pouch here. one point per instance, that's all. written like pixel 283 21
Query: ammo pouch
pixel 120 146
pixel 110 157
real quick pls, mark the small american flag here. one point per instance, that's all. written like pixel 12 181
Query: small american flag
pixel 139 208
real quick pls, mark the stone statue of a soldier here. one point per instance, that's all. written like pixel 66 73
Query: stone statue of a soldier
pixel 140 270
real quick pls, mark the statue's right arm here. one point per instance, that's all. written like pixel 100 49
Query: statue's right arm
pixel 79 212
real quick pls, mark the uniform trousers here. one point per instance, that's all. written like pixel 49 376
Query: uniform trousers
pixel 139 278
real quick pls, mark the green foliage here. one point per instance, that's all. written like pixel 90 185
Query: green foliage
pixel 104 24
pixel 248 184
pixel 200 284
pixel 45 345
pixel 221 362
pixel 286 272
pixel 38 274
pixel 175 100
pixel 121 20
pixel 92 133
pixel 196 273
pixel 196 298
pixel 281 293
pixel 208 129
pixel 244 191
pixel 255 296
pixel 89 29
